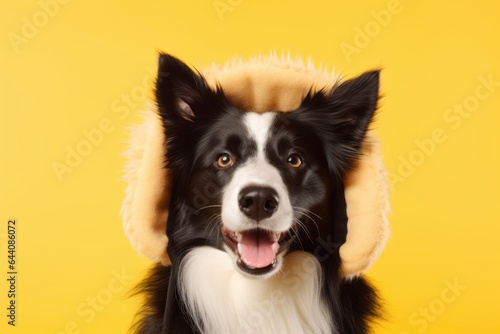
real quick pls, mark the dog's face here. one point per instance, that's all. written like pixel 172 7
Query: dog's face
pixel 257 185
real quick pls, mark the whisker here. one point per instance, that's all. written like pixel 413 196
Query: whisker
pixel 296 234
pixel 302 210
pixel 213 218
pixel 216 221
pixel 302 225
pixel 208 207
pixel 298 210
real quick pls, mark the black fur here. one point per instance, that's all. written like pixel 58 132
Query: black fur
pixel 326 130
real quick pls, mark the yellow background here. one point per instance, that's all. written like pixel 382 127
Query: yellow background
pixel 87 65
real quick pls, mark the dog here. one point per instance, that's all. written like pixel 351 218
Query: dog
pixel 249 255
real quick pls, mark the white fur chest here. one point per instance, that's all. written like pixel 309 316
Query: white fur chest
pixel 226 302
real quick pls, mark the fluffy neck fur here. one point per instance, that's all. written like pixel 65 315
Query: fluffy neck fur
pixel 225 302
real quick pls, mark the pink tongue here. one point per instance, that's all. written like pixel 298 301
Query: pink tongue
pixel 257 249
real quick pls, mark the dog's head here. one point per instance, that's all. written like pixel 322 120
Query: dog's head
pixel 258 185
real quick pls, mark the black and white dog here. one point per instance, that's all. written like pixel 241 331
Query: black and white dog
pixel 252 194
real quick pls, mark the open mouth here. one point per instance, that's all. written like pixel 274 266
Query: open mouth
pixel 257 249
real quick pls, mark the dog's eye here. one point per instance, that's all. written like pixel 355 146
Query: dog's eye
pixel 294 160
pixel 225 161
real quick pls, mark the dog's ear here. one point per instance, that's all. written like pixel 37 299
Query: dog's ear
pixel 342 116
pixel 354 103
pixel 181 93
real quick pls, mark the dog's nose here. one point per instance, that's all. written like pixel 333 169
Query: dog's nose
pixel 258 202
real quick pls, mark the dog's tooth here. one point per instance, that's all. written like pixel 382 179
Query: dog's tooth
pixel 276 247
pixel 239 248
pixel 238 236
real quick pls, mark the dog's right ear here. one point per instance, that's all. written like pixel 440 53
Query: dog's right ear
pixel 180 91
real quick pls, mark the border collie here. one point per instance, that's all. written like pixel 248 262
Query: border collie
pixel 255 197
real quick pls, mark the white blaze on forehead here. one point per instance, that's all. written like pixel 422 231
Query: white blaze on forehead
pixel 256 171
pixel 258 125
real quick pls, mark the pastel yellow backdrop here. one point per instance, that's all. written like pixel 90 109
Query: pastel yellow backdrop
pixel 74 74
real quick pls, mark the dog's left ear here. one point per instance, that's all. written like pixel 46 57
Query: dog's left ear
pixel 342 117
pixel 354 103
